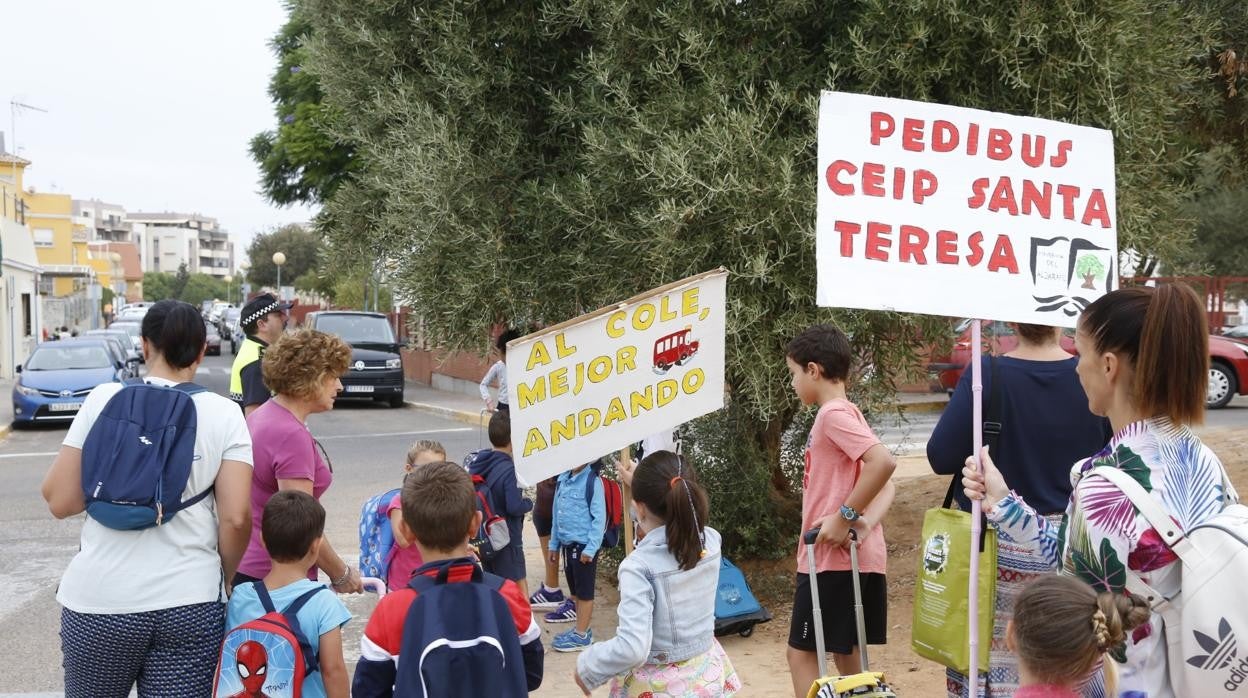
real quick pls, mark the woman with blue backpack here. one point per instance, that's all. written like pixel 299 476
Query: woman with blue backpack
pixel 1143 364
pixel 167 466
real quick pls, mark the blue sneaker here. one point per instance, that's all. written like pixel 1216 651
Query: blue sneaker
pixel 545 600
pixel 566 613
pixel 572 641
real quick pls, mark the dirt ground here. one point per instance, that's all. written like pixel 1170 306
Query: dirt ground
pixel 760 659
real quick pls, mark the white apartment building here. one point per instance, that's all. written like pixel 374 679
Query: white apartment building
pixel 168 240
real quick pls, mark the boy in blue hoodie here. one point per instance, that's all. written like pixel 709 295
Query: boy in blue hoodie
pixel 576 530
pixel 496 467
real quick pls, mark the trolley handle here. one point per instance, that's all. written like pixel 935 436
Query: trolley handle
pixel 810 536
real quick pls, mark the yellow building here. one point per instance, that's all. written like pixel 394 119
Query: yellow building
pixel 20 313
pixel 61 246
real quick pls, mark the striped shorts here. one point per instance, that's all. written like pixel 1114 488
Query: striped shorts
pixel 169 652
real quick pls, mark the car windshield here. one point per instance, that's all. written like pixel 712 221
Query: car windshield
pixel 131 328
pixel 63 358
pixel 230 315
pixel 357 329
pixel 211 328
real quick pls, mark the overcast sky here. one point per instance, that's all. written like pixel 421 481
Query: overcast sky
pixel 151 104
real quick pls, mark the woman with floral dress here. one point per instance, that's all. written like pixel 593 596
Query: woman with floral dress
pixel 1142 364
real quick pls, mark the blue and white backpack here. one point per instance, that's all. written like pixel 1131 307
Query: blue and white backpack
pixel 376 536
pixel 137 458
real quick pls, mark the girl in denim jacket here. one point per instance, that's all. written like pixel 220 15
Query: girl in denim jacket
pixel 665 642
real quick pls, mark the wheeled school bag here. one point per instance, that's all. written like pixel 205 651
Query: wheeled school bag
pixel 137 458
pixel 459 639
pixel 270 655
pixel 1207 620
pixel 866 683
pixel 736 608
pixel 376 536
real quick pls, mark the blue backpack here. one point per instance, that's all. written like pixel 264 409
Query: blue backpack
pixel 376 536
pixel 138 456
pixel 459 639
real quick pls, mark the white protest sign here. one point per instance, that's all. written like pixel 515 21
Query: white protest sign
pixel 943 210
pixel 592 385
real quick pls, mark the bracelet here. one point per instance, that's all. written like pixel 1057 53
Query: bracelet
pixel 345 576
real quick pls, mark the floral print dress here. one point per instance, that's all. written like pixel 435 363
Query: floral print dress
pixel 1102 535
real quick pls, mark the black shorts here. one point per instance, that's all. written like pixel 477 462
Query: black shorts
pixel 508 563
pixel 581 576
pixel 542 524
pixel 836 602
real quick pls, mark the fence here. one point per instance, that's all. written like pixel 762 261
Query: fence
pixel 1217 290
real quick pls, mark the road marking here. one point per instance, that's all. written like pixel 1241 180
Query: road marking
pixel 27 455
pixel 394 433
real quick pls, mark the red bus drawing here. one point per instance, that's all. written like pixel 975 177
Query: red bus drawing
pixel 675 348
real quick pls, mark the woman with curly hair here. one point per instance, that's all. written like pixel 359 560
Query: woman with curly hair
pixel 302 369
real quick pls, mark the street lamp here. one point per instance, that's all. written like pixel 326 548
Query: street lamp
pixel 279 259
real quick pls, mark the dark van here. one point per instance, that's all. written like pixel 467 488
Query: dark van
pixel 376 369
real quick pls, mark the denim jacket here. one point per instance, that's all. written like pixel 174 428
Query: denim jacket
pixel 574 520
pixel 666 614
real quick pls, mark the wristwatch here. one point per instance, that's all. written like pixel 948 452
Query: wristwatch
pixel 849 514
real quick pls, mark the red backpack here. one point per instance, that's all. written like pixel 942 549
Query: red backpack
pixel 269 655
pixel 615 504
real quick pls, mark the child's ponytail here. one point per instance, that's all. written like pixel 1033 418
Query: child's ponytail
pixel 668 486
pixel 1062 629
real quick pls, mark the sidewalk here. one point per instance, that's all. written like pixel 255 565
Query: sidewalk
pixel 468 408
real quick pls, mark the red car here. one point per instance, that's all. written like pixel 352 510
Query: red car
pixel 1228 359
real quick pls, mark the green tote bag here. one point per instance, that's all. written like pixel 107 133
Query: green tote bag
pixel 939 628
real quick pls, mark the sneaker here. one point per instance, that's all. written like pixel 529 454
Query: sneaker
pixel 566 613
pixel 546 599
pixel 572 641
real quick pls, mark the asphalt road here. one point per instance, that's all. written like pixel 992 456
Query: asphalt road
pixel 366 443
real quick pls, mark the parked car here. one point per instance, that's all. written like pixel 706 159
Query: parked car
pixel 58 376
pixel 999 338
pixel 376 366
pixel 1238 332
pixel 135 330
pixel 121 348
pixel 131 313
pixel 227 325
pixel 133 354
pixel 213 339
pixel 1228 360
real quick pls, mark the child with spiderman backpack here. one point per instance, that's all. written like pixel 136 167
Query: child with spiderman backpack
pixel 455 630
pixel 578 529
pixel 163 471
pixel 384 552
pixel 285 634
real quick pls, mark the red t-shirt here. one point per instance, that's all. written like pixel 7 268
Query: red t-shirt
pixel 839 438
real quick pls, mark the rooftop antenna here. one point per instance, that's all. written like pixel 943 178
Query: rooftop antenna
pixel 14 107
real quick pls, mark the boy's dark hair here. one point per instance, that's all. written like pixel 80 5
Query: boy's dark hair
pixel 825 345
pixel 500 429
pixel 292 520
pixel 667 485
pixel 438 505
pixel 504 337
pixel 176 330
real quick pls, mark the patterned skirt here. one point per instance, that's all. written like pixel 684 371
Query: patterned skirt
pixel 1017 565
pixel 708 675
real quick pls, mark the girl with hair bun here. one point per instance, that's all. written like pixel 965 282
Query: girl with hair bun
pixel 665 642
pixel 1061 631
pixel 1144 364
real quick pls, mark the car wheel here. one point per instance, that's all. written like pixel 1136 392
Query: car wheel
pixel 396 400
pixel 1222 386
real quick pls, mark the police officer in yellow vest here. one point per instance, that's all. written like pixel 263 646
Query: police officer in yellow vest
pixel 263 320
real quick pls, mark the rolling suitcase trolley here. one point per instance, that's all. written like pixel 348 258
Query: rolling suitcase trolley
pixel 865 684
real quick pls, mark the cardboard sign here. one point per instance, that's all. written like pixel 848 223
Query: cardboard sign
pixel 592 385
pixel 943 210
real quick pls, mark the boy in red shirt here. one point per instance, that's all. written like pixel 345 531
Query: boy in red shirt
pixel 845 484
pixel 440 515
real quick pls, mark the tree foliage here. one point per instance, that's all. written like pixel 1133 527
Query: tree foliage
pixel 532 161
pixel 301 246
pixel 300 162
pixel 194 289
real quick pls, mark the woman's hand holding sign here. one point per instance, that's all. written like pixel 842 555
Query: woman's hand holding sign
pixel 985 484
